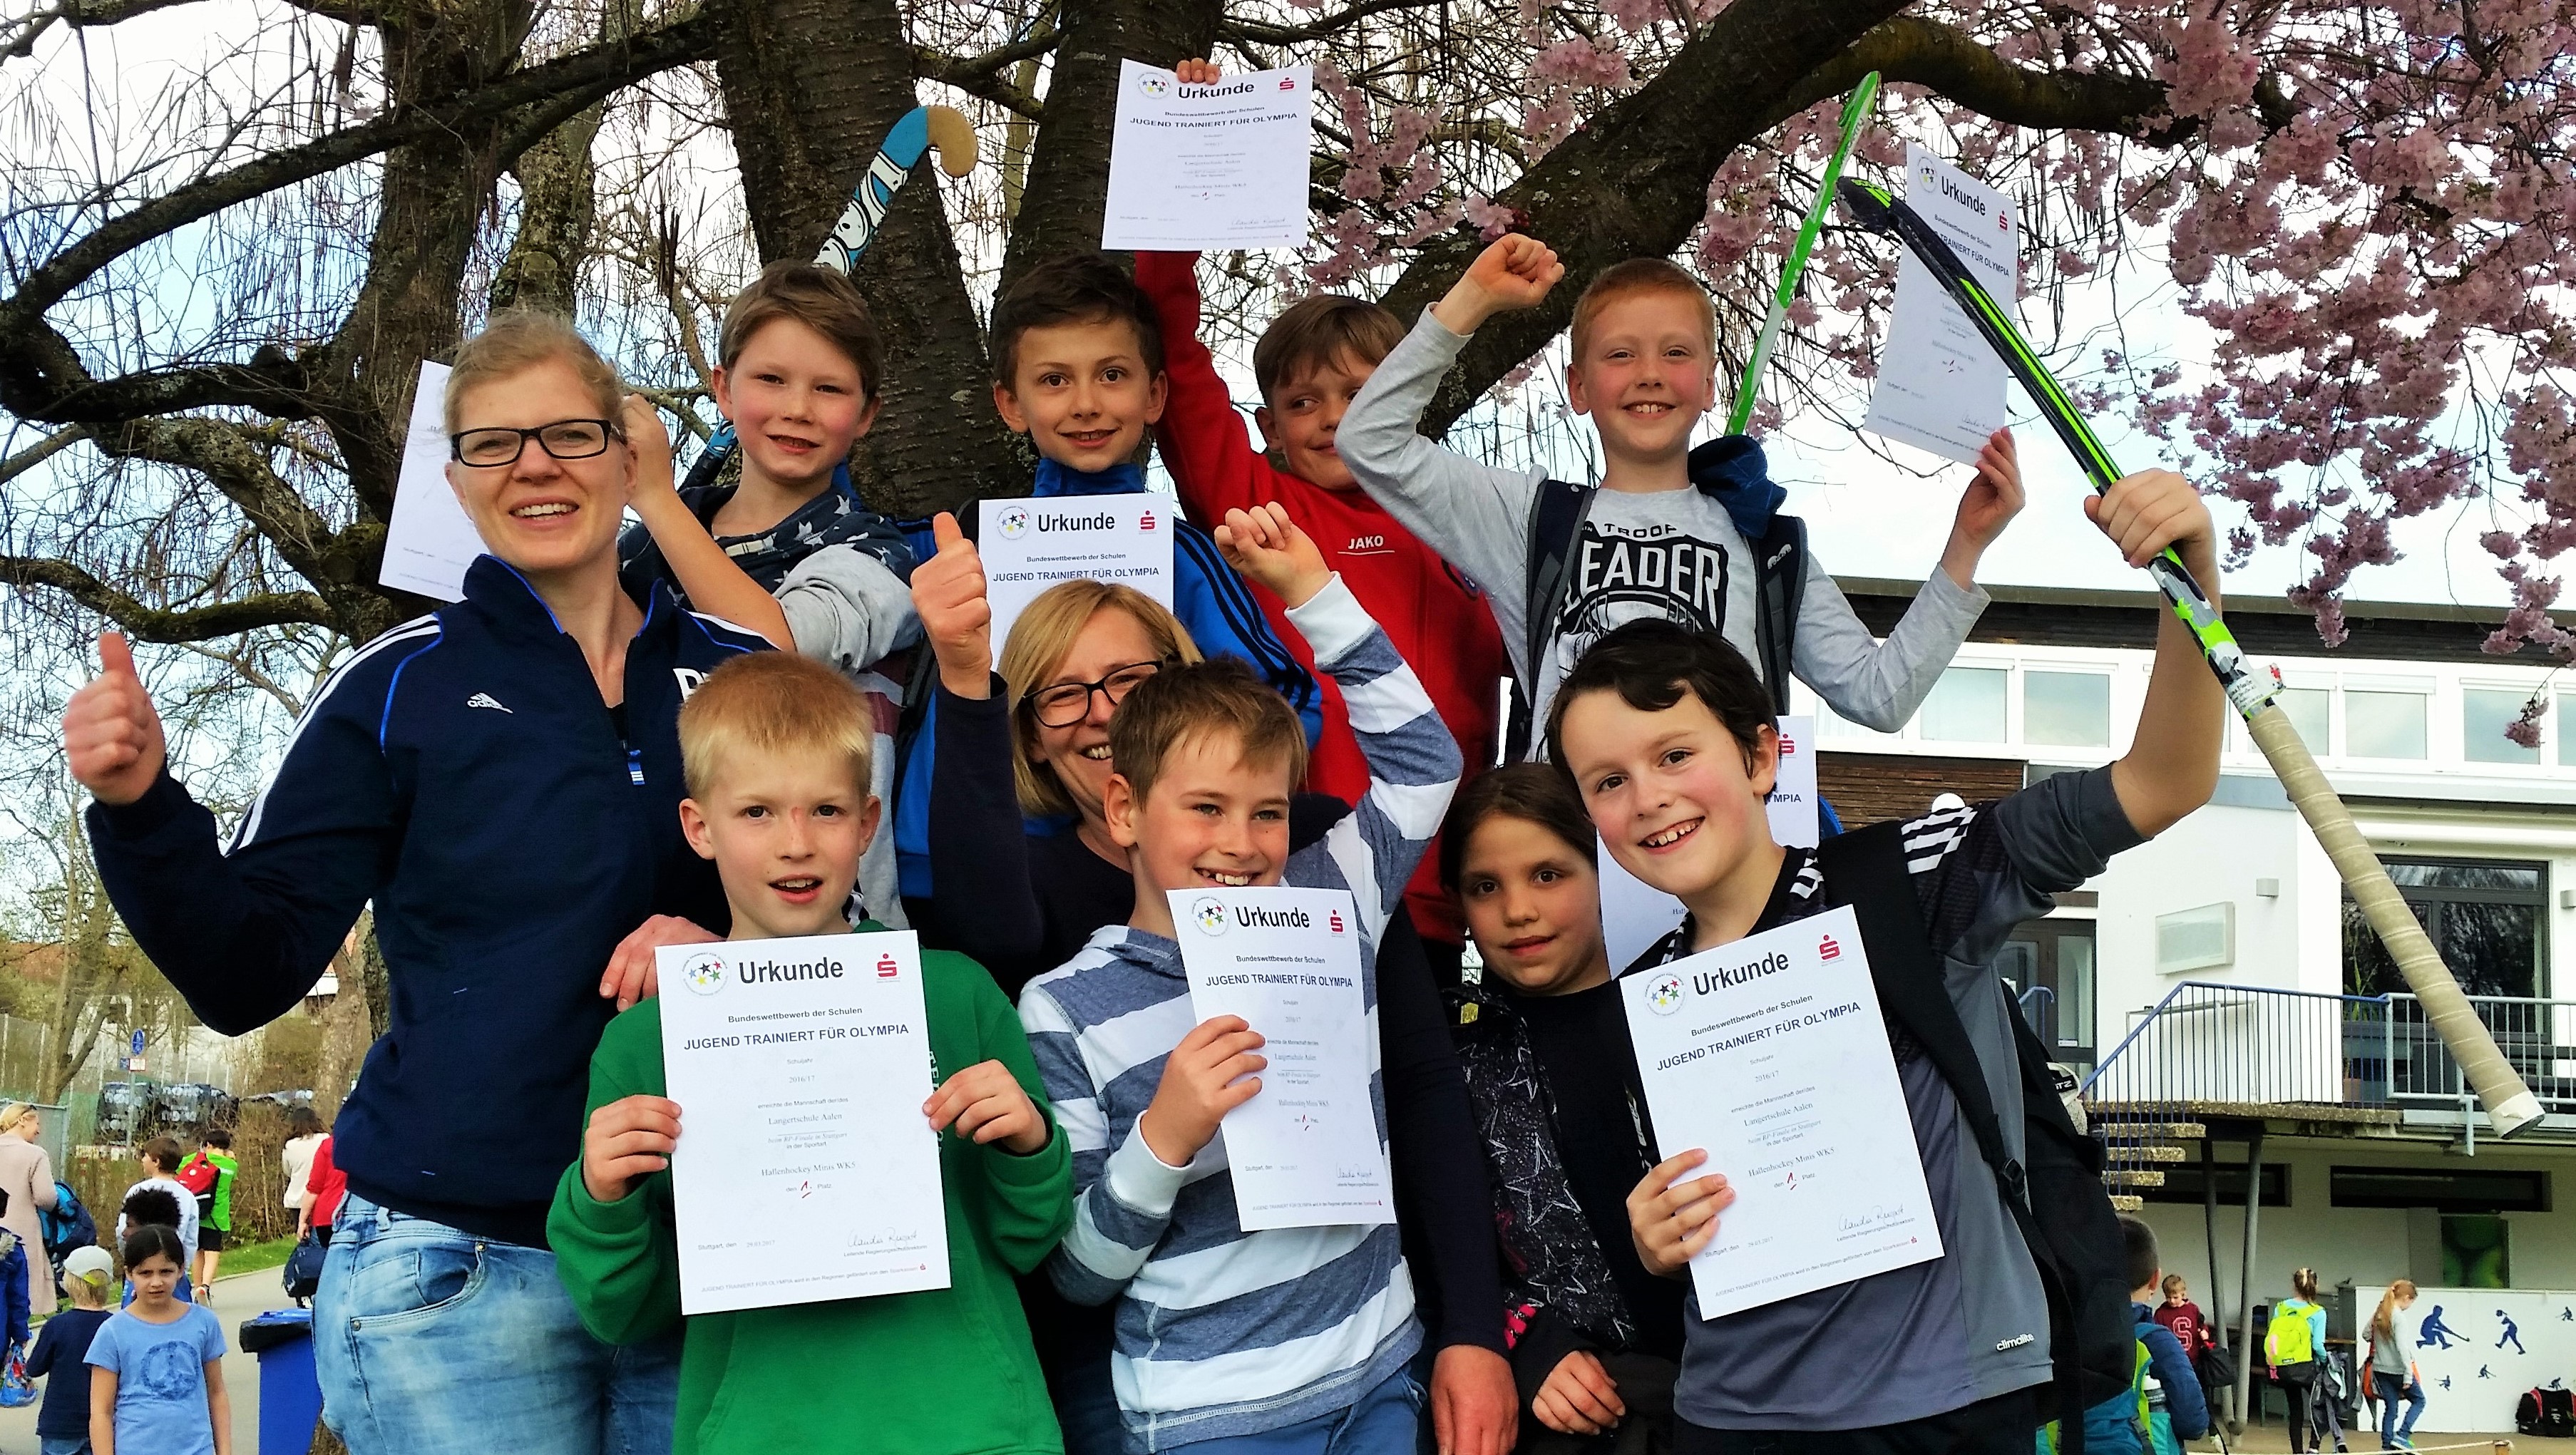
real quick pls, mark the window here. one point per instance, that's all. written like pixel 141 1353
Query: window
pixel 2485 712
pixel 2449 1189
pixel 1966 706
pixel 2183 1183
pixel 2311 711
pixel 2485 917
pixel 2383 724
pixel 2066 709
pixel 2049 965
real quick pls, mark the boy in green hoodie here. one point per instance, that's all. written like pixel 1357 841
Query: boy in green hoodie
pixel 775 750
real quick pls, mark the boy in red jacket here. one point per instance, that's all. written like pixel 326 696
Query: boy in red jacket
pixel 1310 364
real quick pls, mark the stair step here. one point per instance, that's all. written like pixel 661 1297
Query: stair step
pixel 2133 1179
pixel 2127 1202
pixel 2113 1130
pixel 2128 1153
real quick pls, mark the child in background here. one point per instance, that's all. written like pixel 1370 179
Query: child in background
pixel 1309 365
pixel 160 1159
pixel 1668 736
pixel 61 1354
pixel 1284 1340
pixel 212 1165
pixel 1665 535
pixel 2168 1357
pixel 324 1187
pixel 156 1384
pixel 1552 1074
pixel 776 751
pixel 800 373
pixel 1078 368
pixel 2189 1326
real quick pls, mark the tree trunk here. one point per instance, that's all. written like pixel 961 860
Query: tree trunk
pixel 813 86
pixel 348 1022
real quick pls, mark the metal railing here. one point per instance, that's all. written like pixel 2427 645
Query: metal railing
pixel 2039 1011
pixel 2236 1049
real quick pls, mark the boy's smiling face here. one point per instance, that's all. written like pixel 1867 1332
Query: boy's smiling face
pixel 1304 414
pixel 1081 392
pixel 796 403
pixel 1645 374
pixel 1209 821
pixel 1672 792
pixel 785 831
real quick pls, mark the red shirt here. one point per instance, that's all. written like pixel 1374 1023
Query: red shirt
pixel 2189 1326
pixel 327 1183
pixel 1436 617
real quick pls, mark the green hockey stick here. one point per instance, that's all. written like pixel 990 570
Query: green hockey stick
pixel 2509 1102
pixel 1748 390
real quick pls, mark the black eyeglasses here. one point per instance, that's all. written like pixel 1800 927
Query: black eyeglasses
pixel 1067 703
pixel 565 439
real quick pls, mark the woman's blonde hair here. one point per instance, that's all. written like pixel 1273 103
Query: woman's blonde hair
pixel 14 1113
pixel 1040 641
pixel 2384 1322
pixel 516 340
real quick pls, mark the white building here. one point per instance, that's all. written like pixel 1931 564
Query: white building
pixel 2223 998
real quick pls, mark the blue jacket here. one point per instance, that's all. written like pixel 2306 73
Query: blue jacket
pixel 461 772
pixel 1207 596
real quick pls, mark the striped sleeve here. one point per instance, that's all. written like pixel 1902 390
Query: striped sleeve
pixel 1123 1193
pixel 1414 765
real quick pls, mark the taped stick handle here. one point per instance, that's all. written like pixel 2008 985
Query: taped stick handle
pixel 2509 1102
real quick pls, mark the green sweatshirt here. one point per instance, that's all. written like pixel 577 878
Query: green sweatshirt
pixel 949 1370
pixel 220 1215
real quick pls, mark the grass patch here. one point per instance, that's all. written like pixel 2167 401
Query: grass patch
pixel 254 1257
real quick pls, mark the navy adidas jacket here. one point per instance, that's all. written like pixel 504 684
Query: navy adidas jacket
pixel 461 772
pixel 1210 600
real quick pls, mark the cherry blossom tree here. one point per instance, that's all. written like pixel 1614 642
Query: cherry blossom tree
pixel 212 302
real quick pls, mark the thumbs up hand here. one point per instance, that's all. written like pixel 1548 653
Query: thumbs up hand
pixel 948 594
pixel 111 733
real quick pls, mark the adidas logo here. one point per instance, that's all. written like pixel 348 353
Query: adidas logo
pixel 485 699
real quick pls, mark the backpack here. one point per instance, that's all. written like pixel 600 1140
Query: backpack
pixel 2289 1339
pixel 2054 1192
pixel 1556 527
pixel 2549 1411
pixel 2125 1424
pixel 198 1176
pixel 67 1225
pixel 302 1273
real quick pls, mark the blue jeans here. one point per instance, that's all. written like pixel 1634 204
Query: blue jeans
pixel 47 1445
pixel 1382 1423
pixel 2393 1388
pixel 1086 1408
pixel 430 1341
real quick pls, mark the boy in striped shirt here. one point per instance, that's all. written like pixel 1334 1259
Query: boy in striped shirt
pixel 1300 1336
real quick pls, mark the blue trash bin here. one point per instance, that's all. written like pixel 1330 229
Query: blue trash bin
pixel 290 1396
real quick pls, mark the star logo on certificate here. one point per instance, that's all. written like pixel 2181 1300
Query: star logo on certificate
pixel 704 973
pixel 1665 994
pixel 1155 85
pixel 1015 523
pixel 1209 915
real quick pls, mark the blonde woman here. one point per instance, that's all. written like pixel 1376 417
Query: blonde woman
pixel 2392 1374
pixel 27 1180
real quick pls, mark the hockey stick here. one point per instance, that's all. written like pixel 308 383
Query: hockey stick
pixel 2509 1102
pixel 923 128
pixel 1748 390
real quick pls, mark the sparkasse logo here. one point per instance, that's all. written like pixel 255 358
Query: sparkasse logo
pixel 705 972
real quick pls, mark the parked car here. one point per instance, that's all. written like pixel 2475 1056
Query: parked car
pixel 283 1100
pixel 185 1108
pixel 124 1107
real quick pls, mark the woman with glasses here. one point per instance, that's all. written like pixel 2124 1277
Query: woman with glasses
pixel 1027 873
pixel 501 779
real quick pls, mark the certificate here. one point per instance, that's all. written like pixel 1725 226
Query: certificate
pixel 805 1170
pixel 1304 1150
pixel 1029 545
pixel 430 540
pixel 1770 1053
pixel 1213 167
pixel 1940 388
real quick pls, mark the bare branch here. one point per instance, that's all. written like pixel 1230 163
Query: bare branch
pixel 156 624
pixel 41 451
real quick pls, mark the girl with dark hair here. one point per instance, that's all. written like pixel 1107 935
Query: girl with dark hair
pixel 1552 1079
pixel 157 1377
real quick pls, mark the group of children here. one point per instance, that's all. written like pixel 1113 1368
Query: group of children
pixel 1304 712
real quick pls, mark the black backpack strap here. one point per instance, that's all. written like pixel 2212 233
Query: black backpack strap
pixel 1779 585
pixel 1555 524
pixel 1866 870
